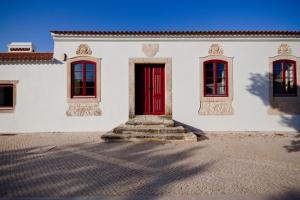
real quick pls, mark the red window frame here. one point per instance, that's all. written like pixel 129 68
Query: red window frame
pixel 283 66
pixel 83 62
pixel 215 78
pixel 12 103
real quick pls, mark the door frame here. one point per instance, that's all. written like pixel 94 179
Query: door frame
pixel 168 82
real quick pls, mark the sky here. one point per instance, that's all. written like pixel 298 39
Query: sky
pixel 32 20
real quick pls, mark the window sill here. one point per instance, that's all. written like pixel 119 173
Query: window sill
pixel 7 109
pixel 84 97
pixel 216 98
pixel 285 96
pixel 84 100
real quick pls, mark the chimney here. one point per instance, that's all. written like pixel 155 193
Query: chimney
pixel 21 47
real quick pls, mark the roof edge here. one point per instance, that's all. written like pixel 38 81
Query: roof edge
pixel 26 56
pixel 178 33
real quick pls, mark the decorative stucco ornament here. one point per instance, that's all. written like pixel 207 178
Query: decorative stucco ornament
pixel 215 50
pixel 284 49
pixel 83 109
pixel 84 49
pixel 150 50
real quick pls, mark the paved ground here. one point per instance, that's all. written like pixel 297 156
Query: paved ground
pixel 72 165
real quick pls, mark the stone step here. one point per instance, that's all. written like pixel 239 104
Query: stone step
pixel 139 136
pixel 150 121
pixel 148 129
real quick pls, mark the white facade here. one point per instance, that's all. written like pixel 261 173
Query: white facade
pixel 41 97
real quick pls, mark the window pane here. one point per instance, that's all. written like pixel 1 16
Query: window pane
pixel 220 70
pixel 77 67
pixel 90 67
pixel 277 71
pixel 78 75
pixel 90 79
pixel 77 83
pixel 277 78
pixel 90 83
pixel 209 90
pixel 6 95
pixel 209 74
pixel 221 80
pixel 209 79
pixel 90 91
pixel 90 76
pixel 289 78
pixel 77 91
pixel 77 79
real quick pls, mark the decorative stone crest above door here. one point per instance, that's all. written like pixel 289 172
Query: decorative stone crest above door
pixel 150 50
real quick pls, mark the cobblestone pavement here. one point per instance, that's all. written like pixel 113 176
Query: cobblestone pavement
pixel 80 164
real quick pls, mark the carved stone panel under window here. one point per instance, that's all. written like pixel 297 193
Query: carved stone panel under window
pixel 83 86
pixel 216 108
pixel 216 92
pixel 284 90
pixel 84 109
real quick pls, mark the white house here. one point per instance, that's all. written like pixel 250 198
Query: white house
pixel 209 80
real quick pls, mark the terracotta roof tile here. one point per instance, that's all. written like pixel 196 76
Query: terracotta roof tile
pixel 32 56
pixel 213 33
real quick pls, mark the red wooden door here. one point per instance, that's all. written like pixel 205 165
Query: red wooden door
pixel 150 89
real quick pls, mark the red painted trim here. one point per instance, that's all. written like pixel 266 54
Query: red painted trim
pixel 283 68
pixel 215 78
pixel 84 63
pixel 226 79
pixel 283 75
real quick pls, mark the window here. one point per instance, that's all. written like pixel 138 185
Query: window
pixel 216 82
pixel 83 81
pixel 215 78
pixel 6 96
pixel 284 78
pixel 83 86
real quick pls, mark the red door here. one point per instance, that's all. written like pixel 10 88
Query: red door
pixel 150 89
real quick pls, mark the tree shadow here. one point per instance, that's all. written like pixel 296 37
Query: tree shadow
pixel 289 195
pixel 103 169
pixel 260 87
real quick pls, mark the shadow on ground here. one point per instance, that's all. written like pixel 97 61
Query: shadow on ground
pixel 198 132
pixel 104 169
pixel 288 195
pixel 260 87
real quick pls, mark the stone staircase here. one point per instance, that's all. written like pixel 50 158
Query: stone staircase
pixel 149 128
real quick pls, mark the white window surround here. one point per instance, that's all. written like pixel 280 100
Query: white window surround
pixel 10 109
pixel 216 105
pixel 84 106
pixel 284 105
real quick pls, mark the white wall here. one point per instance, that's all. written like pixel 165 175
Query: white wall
pixel 41 91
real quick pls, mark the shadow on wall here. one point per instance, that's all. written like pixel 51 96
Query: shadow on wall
pixel 104 169
pixel 260 87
